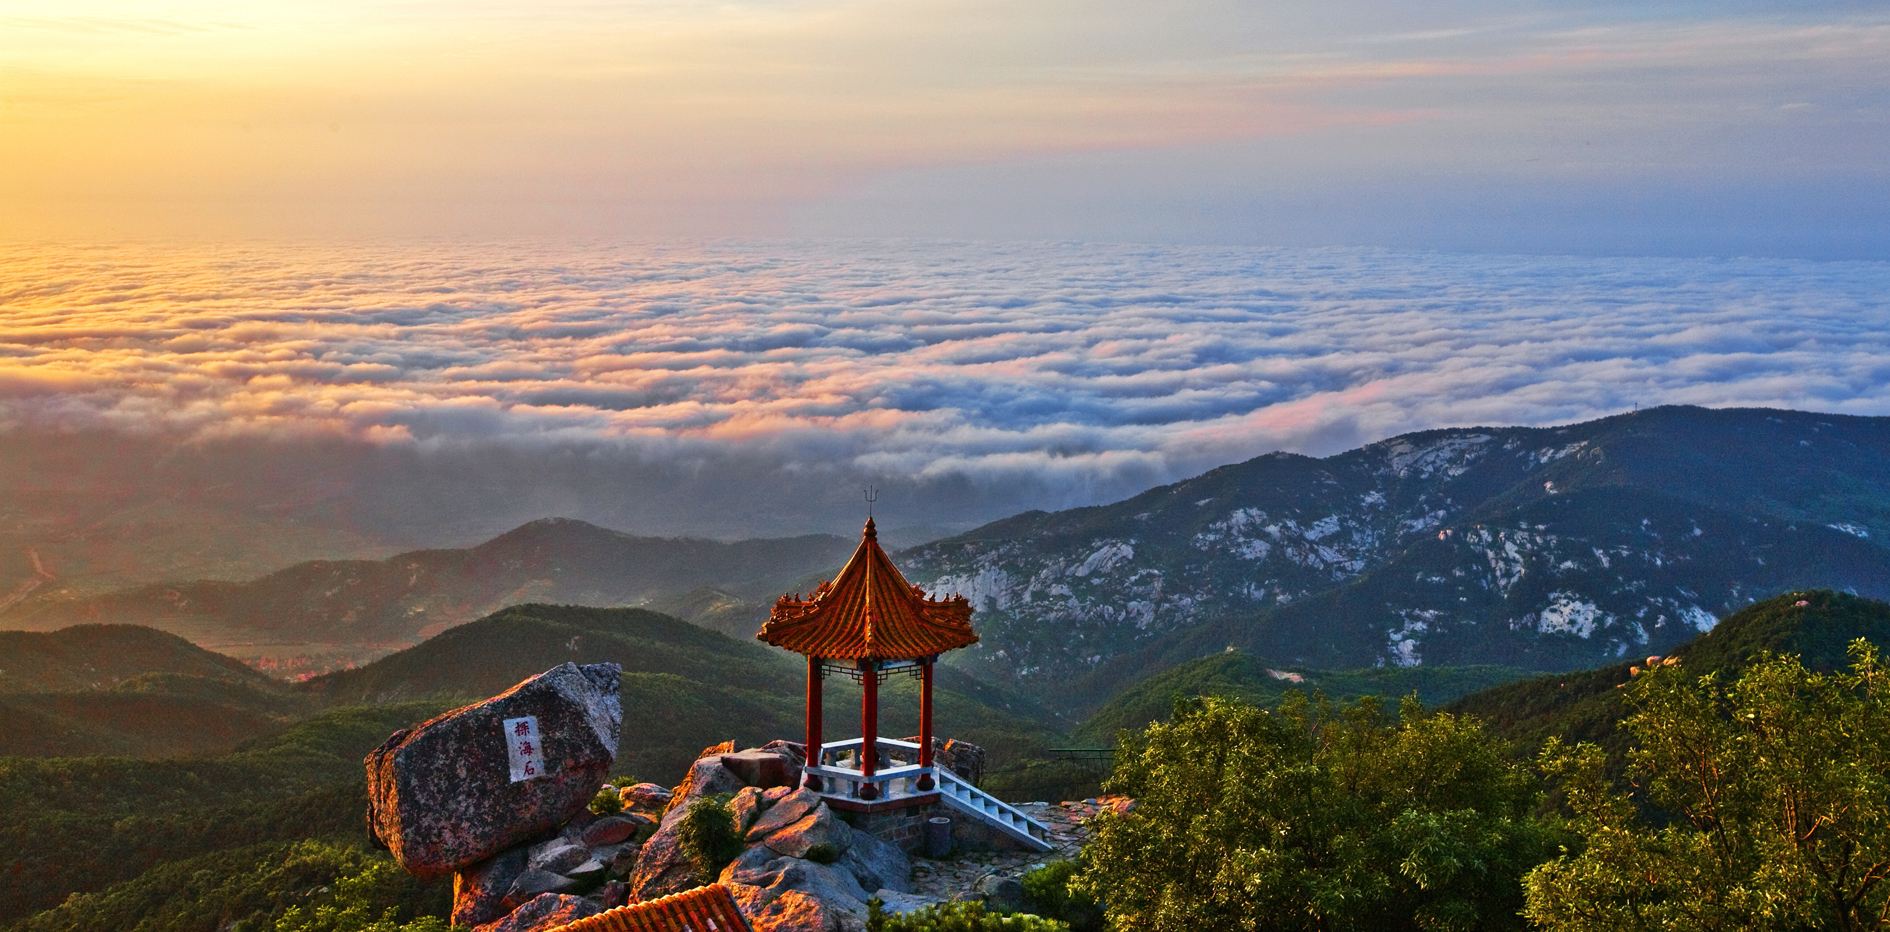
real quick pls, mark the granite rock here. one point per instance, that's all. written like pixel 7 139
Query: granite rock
pixel 479 890
pixel 788 810
pixel 547 911
pixel 441 795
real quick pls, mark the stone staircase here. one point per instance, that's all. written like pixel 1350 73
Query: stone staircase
pixel 966 798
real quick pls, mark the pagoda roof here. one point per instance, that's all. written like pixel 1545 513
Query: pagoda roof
pixel 869 611
pixel 703 909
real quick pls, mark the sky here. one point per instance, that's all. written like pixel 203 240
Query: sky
pixel 1730 128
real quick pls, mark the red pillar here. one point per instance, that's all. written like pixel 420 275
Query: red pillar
pixel 925 723
pixel 869 726
pixel 813 720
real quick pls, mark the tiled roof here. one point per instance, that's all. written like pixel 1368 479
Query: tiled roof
pixel 869 611
pixel 704 909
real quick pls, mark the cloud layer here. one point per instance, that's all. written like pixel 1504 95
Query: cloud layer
pixel 1084 371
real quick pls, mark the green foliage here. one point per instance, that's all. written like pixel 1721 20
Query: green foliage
pixel 1587 706
pixel 623 780
pixel 823 853
pixel 307 886
pixel 1048 889
pixel 955 917
pixel 365 900
pixel 1239 675
pixel 116 818
pixel 1315 817
pixel 608 801
pixel 707 836
pixel 88 657
pixel 1759 804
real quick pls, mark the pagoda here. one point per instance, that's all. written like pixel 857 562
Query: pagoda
pixel 869 623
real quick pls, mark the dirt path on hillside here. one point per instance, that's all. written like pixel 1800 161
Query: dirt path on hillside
pixel 41 576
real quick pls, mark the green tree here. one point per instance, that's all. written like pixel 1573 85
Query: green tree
pixel 1312 816
pixel 955 917
pixel 1763 804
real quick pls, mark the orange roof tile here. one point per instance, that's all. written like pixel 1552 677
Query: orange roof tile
pixel 704 909
pixel 869 611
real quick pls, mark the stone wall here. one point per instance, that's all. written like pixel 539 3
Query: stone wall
pixel 904 826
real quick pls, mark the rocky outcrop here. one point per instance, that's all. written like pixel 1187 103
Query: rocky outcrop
pixel 479 891
pixel 762 768
pixel 649 799
pixel 960 757
pixel 547 911
pixel 802 869
pixel 462 787
pixel 580 861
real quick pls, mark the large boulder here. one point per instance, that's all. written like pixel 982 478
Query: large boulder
pixel 558 856
pixel 795 750
pixel 779 889
pixel 877 864
pixel 479 891
pixel 612 830
pixel 661 868
pixel 547 911
pixel 649 799
pixel 706 777
pixel 456 790
pixel 960 757
pixel 819 831
pixel 785 894
pixel 763 768
pixel 784 812
pixel 534 883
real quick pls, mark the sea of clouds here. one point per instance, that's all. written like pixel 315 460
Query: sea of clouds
pixel 1044 374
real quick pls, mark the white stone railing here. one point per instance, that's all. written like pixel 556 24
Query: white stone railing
pixel 896 776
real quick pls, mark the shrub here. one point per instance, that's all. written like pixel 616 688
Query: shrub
pixel 707 836
pixel 955 917
pixel 608 801
pixel 1048 889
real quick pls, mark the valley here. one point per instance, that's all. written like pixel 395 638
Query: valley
pixel 1456 567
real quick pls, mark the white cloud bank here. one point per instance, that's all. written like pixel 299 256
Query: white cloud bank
pixel 1087 371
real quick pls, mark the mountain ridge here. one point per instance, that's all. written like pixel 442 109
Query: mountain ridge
pixel 1540 547
pixel 352 610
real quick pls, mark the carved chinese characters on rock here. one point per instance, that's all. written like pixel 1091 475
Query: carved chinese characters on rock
pixel 523 749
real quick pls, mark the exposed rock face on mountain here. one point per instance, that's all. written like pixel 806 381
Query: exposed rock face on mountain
pixel 464 786
pixel 1550 548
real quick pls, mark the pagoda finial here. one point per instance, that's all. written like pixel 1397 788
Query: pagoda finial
pixel 870 532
